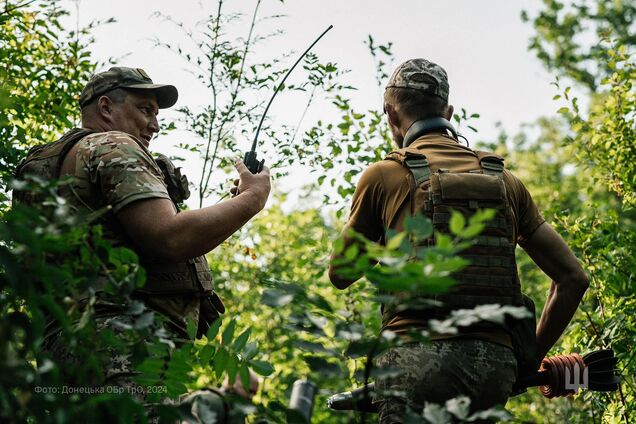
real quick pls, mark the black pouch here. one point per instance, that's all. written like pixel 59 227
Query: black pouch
pixel 210 310
pixel 523 334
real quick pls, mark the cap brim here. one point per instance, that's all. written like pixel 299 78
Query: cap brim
pixel 167 95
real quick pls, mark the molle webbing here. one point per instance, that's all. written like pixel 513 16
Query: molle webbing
pixel 491 277
pixel 52 153
pixel 444 218
pixel 45 162
pixel 488 280
pixel 190 277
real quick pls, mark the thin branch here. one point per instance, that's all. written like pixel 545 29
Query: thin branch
pixel 302 117
pixel 236 90
pixel 8 10
pixel 202 187
pixel 234 96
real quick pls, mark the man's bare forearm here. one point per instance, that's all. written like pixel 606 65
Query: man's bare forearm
pixel 162 234
pixel 167 236
pixel 219 222
pixel 559 309
pixel 548 250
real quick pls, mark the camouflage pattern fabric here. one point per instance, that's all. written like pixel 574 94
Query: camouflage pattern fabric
pixel 423 75
pixel 133 78
pixel 118 370
pixel 113 168
pixel 437 371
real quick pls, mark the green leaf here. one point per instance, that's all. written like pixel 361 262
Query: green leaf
pixel 261 367
pixel 457 223
pixel 396 241
pixel 276 298
pixel 352 252
pixel 191 328
pixel 250 350
pixel 563 110
pixel 241 340
pixel 145 320
pixel 360 348
pixel 483 215
pixel 232 367
pixel 312 347
pixel 244 374
pixel 338 245
pixel 419 226
pixel 205 354
pixel 214 329
pixel 220 362
pixel 443 242
pixel 322 366
pixel 228 333
pixel 472 230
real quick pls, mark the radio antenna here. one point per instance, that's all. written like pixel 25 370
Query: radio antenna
pixel 250 157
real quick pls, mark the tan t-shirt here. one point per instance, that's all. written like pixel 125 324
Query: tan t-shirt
pixel 381 201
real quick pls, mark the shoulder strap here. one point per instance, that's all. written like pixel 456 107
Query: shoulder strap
pixel 70 139
pixel 491 163
pixel 416 163
pixel 419 167
pixel 59 148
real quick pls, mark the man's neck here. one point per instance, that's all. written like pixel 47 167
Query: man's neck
pixel 96 125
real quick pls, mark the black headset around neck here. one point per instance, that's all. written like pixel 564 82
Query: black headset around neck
pixel 425 126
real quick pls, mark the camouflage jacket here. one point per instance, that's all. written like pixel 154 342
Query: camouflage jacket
pixel 113 169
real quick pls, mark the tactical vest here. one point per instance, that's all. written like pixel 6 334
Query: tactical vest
pixel 191 277
pixel 491 277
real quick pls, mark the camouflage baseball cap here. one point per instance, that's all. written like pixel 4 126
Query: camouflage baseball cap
pixel 121 77
pixel 420 74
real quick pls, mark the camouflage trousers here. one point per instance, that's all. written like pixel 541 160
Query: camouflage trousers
pixel 441 370
pixel 206 405
pixel 117 371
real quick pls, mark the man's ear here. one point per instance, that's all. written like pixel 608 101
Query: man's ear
pixel 392 115
pixel 449 112
pixel 105 107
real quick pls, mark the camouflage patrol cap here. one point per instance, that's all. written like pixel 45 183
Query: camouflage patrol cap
pixel 423 75
pixel 121 77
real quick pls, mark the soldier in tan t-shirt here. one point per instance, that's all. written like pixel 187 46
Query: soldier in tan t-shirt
pixel 478 364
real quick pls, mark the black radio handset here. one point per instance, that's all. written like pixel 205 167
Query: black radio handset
pixel 253 164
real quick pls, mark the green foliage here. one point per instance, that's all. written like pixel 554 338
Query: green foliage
pixel 275 284
pixel 227 123
pixel 42 71
pixel 358 139
pixel 54 261
pixel 604 139
pixel 567 33
pixel 401 265
pixel 285 321
pixel 575 199
pixel 599 221
pixel 47 262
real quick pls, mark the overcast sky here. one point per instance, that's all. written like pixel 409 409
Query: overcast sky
pixel 481 44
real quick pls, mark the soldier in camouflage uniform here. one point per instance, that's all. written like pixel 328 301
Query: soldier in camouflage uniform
pixel 431 173
pixel 138 197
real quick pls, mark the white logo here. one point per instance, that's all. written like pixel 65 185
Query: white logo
pixel 572 382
